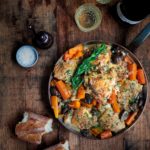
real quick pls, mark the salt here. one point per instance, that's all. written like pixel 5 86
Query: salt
pixel 26 56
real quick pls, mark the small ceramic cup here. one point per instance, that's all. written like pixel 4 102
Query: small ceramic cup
pixel 27 56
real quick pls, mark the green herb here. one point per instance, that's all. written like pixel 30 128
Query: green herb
pixel 85 66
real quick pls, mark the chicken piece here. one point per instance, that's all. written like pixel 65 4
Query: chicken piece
pixel 83 119
pixel 121 69
pixel 103 58
pixel 101 85
pixel 103 108
pixel 127 93
pixel 110 121
pixel 64 70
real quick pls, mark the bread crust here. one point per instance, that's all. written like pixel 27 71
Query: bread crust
pixel 33 127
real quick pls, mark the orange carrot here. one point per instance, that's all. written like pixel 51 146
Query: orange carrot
pixel 116 107
pixel 75 52
pixel 112 97
pixel 131 118
pixel 77 48
pixel 54 104
pixel 106 134
pixel 96 131
pixel 78 55
pixel 62 88
pixel 128 59
pixel 67 56
pixel 132 71
pixel 81 92
pixel 140 76
pixel 113 101
pixel 75 104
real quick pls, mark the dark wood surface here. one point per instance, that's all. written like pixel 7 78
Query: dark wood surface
pixel 26 89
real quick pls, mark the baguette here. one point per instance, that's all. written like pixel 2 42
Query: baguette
pixel 33 127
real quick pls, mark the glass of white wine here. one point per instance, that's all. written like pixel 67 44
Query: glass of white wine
pixel 88 17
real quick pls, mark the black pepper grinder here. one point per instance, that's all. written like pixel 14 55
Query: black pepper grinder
pixel 42 39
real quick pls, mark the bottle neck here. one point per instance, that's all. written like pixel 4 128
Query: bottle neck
pixel 123 17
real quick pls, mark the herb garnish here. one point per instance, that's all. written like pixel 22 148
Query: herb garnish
pixel 85 66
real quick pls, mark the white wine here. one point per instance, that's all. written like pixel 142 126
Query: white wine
pixel 88 17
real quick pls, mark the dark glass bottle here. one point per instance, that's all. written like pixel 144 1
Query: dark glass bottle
pixel 42 39
pixel 132 11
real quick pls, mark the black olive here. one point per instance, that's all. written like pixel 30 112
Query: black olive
pixel 117 56
pixel 54 91
pixel 124 115
pixel 85 132
pixel 140 98
pixel 114 47
pixel 88 98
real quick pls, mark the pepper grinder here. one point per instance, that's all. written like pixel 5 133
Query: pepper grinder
pixel 42 39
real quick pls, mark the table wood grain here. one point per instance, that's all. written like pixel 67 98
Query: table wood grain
pixel 26 89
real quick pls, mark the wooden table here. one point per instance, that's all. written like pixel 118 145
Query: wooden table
pixel 26 89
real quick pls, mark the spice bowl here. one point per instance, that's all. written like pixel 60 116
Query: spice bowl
pixel 27 56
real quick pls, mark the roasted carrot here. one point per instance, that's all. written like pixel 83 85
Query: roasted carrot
pixel 62 88
pixel 106 134
pixel 75 104
pixel 75 52
pixel 81 92
pixel 77 48
pixel 116 106
pixel 96 131
pixel 132 71
pixel 112 97
pixel 140 76
pixel 78 55
pixel 131 118
pixel 128 59
pixel 113 101
pixel 67 56
pixel 54 104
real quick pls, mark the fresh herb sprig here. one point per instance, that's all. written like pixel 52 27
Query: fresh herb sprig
pixel 85 66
